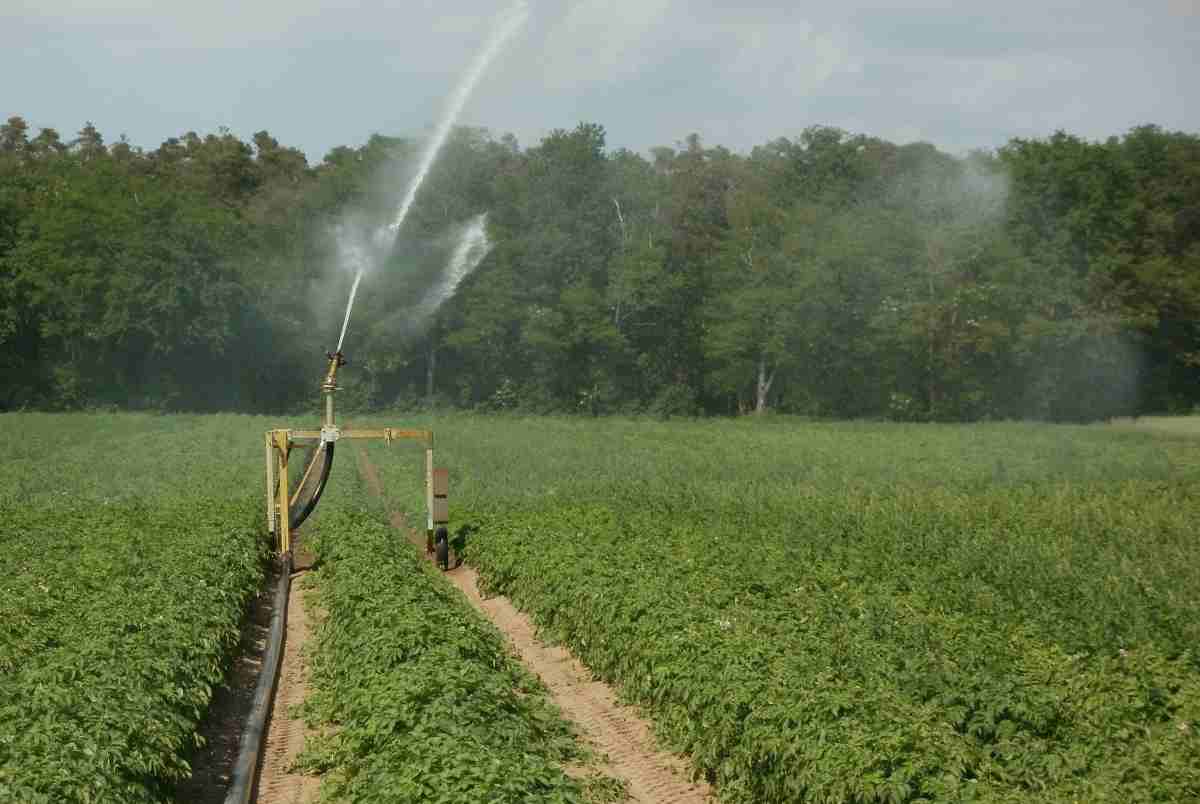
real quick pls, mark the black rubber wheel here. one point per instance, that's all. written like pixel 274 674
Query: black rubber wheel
pixel 441 547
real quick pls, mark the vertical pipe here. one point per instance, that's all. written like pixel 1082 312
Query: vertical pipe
pixel 429 496
pixel 285 514
pixel 330 384
pixel 270 484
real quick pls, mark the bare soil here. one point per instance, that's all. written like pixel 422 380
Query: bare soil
pixel 617 732
pixel 277 782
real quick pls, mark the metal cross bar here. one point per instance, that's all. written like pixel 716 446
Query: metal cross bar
pixel 279 444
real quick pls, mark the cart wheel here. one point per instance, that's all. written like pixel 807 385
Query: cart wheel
pixel 441 545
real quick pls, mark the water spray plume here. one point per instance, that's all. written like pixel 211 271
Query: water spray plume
pixel 353 254
pixel 472 247
pixel 471 250
pixel 349 306
pixel 507 25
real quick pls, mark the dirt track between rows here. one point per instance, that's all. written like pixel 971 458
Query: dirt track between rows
pixel 226 720
pixel 277 783
pixel 618 733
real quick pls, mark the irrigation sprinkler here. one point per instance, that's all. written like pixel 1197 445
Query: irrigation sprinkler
pixel 289 505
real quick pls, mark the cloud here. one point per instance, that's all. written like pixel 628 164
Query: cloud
pixel 959 73
pixel 795 58
pixel 151 24
pixel 601 41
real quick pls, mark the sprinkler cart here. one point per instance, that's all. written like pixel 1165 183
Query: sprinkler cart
pixel 289 504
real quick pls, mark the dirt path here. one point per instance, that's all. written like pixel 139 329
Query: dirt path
pixel 616 731
pixel 286 734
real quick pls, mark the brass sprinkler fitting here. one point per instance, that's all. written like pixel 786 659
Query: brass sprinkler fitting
pixel 336 360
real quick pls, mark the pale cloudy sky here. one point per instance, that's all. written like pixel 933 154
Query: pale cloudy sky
pixel 320 73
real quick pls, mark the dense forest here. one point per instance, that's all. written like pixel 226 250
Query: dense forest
pixel 831 274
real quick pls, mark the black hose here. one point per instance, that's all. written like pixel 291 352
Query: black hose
pixel 299 517
pixel 251 743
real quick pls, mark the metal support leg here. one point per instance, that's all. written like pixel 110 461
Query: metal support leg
pixel 270 485
pixel 285 517
pixel 429 499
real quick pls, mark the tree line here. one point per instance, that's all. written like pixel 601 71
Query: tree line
pixel 830 274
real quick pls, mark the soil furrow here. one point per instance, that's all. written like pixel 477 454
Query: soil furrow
pixel 618 733
pixel 277 783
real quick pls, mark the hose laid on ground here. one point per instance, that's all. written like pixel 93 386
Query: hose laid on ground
pixel 251 743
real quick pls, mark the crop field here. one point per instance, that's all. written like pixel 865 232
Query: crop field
pixel 130 553
pixel 134 544
pixel 427 705
pixel 813 612
pixel 862 612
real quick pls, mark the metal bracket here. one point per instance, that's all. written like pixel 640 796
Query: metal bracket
pixel 330 434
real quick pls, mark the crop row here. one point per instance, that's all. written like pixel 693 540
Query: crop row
pixel 121 597
pixel 867 612
pixel 415 695
pixel 115 621
pixel 860 612
pixel 800 664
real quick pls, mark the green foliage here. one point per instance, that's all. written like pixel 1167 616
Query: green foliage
pixel 830 274
pixel 121 600
pixel 425 702
pixel 787 676
pixel 813 611
pixel 118 621
pixel 135 543
pixel 859 612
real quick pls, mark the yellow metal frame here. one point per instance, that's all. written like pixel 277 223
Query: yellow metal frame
pixel 279 444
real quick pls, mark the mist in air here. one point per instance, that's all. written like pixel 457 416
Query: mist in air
pixel 359 252
pixel 473 246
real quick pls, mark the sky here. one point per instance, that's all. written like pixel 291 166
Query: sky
pixel 318 74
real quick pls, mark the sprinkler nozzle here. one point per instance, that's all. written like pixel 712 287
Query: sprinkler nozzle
pixel 336 361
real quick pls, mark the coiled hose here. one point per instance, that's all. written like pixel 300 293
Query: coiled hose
pixel 306 497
